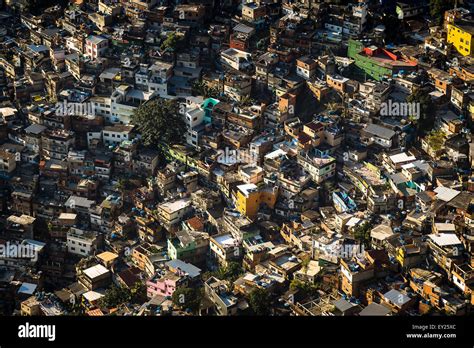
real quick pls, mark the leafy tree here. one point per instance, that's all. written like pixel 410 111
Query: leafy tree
pixel 74 307
pixel 362 233
pixel 306 288
pixel 187 298
pixel 172 42
pixel 206 275
pixel 33 6
pixel 426 119
pixel 138 292
pixel 122 186
pixel 259 300
pixel 435 140
pixel 305 263
pixel 200 88
pixel 246 101
pixel 76 310
pixel 231 272
pixel 115 296
pixel 159 121
pixel 438 7
pixel 393 25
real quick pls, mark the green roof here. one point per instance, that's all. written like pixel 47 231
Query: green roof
pixel 210 102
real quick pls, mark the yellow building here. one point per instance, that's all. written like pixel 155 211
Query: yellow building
pixel 249 198
pixel 107 258
pixel 30 307
pixel 410 255
pixel 460 35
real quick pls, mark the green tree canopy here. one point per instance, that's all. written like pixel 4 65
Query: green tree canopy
pixel 424 123
pixel 231 272
pixel 138 292
pixel 393 25
pixel 259 300
pixel 159 121
pixel 362 233
pixel 306 288
pixel 438 7
pixel 435 140
pixel 122 186
pixel 115 296
pixel 172 42
pixel 187 298
pixel 201 89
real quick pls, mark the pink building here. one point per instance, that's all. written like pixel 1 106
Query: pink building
pixel 163 284
pixel 96 46
pixel 177 273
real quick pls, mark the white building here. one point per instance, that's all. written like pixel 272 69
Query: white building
pixel 236 59
pixel 81 242
pixel 155 78
pixel 73 45
pixel 124 101
pixel 306 67
pixel 96 46
pixel 224 247
pixel 320 168
pixel 194 120
pixel 101 107
pixel 172 213
pixel 238 87
pixel 114 135
pixel 355 24
pixel 379 135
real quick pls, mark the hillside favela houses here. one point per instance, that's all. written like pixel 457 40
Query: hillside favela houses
pixel 231 158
